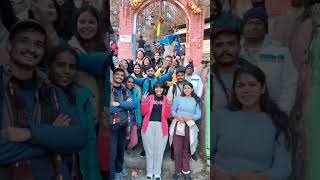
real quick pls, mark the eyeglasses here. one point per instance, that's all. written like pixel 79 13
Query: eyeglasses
pixel 130 82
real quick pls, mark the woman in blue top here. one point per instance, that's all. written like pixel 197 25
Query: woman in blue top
pixel 251 140
pixel 62 71
pixel 183 130
pixel 135 118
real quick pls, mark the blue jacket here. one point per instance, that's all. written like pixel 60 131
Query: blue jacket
pixel 144 83
pixel 124 105
pixel 89 166
pixel 137 111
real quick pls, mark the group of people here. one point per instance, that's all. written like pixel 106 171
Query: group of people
pixel 68 112
pixel 162 99
pixel 55 93
pixel 258 88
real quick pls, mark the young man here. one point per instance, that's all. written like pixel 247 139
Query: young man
pixel 121 104
pixel 226 49
pixel 270 56
pixel 195 79
pixel 177 88
pixel 36 121
pixel 148 83
pixel 168 60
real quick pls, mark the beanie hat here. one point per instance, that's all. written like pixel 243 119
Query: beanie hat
pixel 258 12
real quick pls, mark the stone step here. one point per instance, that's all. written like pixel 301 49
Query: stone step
pixel 133 161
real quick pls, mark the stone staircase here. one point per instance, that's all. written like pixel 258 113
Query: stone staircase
pixel 133 161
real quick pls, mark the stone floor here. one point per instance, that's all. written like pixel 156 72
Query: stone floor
pixel 133 161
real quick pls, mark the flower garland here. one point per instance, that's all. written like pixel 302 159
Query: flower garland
pixel 135 3
pixel 195 9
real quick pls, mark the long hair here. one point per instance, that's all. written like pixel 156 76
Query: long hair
pixel 57 24
pixel 52 58
pixel 97 40
pixel 126 79
pixel 140 75
pixel 279 118
pixel 193 94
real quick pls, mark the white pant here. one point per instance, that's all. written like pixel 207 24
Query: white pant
pixel 154 144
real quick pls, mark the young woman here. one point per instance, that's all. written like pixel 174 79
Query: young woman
pixel 48 13
pixel 62 72
pixel 145 63
pixel 87 39
pixel 251 139
pixel 140 56
pixel 136 118
pixel 183 130
pixel 137 72
pixel 156 110
pixel 157 61
pixel 124 66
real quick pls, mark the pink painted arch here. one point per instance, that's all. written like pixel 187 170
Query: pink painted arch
pixel 195 29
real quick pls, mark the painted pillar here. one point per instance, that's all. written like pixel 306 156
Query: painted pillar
pixel 125 31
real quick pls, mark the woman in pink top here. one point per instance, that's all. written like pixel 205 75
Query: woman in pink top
pixel 156 110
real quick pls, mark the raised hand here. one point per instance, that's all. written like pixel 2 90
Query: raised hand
pixel 144 96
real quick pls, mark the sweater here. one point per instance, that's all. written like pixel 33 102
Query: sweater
pixel 247 144
pixel 186 106
pixel 146 110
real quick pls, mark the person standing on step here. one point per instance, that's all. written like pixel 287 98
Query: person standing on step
pixel 183 130
pixel 121 104
pixel 196 81
pixel 176 90
pixel 147 84
pixel 156 109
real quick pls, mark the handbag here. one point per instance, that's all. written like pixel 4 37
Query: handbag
pixel 119 120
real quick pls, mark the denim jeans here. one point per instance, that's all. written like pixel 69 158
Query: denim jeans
pixel 117 146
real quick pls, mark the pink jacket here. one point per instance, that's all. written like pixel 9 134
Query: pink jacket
pixel 146 110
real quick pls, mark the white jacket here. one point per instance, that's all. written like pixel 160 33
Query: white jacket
pixel 196 81
pixel 281 75
pixel 193 134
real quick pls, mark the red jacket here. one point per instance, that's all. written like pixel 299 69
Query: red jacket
pixel 146 110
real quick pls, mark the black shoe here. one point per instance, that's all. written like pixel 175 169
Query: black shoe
pixel 194 157
pixel 172 156
pixel 143 154
pixel 148 177
pixel 187 176
pixel 176 177
pixel 158 178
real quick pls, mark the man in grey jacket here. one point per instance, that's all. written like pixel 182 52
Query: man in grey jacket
pixel 269 55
